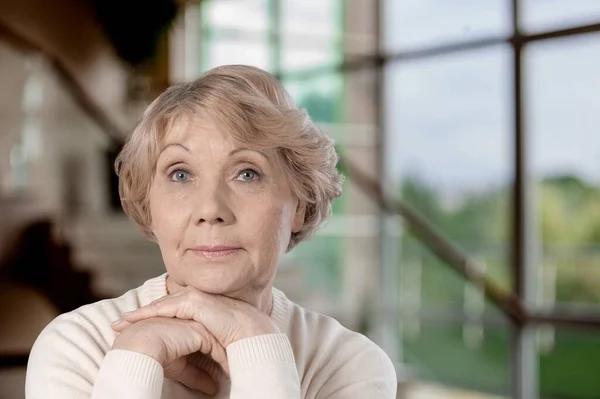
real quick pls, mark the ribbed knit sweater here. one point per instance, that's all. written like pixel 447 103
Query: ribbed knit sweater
pixel 313 357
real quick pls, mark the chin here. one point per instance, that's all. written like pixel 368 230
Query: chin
pixel 215 279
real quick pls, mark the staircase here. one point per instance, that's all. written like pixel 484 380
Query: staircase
pixel 114 251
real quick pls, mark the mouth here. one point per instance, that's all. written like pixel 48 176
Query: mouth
pixel 215 251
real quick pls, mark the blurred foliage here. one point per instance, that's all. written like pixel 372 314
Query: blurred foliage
pixel 569 227
pixel 568 371
pixel 320 106
pixel 570 219
pixel 568 212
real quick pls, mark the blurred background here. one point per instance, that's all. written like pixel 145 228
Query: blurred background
pixel 468 131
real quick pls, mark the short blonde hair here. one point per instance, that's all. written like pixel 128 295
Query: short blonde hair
pixel 254 108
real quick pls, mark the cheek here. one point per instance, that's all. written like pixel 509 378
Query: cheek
pixel 168 215
pixel 271 225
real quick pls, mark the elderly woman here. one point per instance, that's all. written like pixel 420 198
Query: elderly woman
pixel 226 175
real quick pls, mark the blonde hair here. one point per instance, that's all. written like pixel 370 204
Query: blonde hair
pixel 255 109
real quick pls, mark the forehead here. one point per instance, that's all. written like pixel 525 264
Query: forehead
pixel 197 132
pixel 195 129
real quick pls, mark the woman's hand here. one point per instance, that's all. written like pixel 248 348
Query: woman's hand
pixel 169 341
pixel 226 319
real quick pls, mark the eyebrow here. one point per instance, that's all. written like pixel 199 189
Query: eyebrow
pixel 172 145
pixel 232 152
pixel 236 150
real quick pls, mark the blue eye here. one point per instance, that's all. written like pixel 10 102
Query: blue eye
pixel 180 176
pixel 248 175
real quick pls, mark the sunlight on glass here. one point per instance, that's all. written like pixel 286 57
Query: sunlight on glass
pixel 310 17
pixel 541 15
pixel 223 52
pixel 243 15
pixel 310 31
pixel 294 60
pixel 409 24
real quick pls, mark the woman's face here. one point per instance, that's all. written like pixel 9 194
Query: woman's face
pixel 222 215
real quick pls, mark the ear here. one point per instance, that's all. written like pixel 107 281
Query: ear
pixel 298 221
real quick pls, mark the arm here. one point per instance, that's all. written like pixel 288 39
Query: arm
pixel 260 359
pixel 360 370
pixel 263 367
pixel 68 361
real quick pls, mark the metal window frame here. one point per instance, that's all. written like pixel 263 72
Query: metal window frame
pixel 524 375
pixel 524 381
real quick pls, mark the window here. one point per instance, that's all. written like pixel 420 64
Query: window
pixel 543 15
pixel 412 24
pixel 311 32
pixel 562 86
pixel 449 153
pixel 235 32
pixel 568 364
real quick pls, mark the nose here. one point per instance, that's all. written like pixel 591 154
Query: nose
pixel 213 207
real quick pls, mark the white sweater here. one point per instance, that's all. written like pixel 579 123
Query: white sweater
pixel 313 357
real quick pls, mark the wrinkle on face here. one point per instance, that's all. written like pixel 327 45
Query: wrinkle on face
pixel 258 216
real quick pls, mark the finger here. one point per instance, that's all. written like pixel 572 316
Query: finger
pixel 120 325
pixel 181 307
pixel 131 315
pixel 219 355
pixel 211 346
pixel 194 378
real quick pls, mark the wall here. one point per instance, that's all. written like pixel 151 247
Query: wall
pixel 52 150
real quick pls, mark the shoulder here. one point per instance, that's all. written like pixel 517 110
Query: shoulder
pixel 71 348
pixel 336 360
pixel 94 320
pixel 89 323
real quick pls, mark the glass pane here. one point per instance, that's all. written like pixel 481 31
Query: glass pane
pixel 440 353
pixel 223 52
pixel 448 137
pixel 310 17
pixel 319 261
pixel 296 58
pixel 409 24
pixel 244 15
pixel 569 361
pixel 321 96
pixel 338 263
pixel 542 15
pixel 562 86
pixel 321 258
pixel 310 32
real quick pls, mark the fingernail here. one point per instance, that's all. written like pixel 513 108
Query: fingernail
pixel 127 313
pixel 116 322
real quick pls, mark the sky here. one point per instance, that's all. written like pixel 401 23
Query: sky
pixel 449 118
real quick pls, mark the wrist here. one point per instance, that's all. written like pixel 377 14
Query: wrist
pixel 254 327
pixel 135 344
